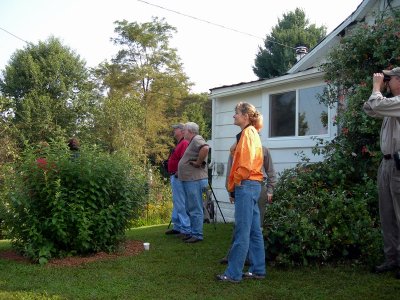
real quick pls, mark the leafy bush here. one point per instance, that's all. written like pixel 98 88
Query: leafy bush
pixel 60 204
pixel 313 221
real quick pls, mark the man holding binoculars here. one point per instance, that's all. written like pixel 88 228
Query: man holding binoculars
pixel 379 106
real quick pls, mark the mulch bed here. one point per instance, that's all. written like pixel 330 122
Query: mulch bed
pixel 129 248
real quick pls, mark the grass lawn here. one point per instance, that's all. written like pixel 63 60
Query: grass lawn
pixel 175 270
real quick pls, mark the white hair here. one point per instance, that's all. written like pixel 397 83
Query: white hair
pixel 192 127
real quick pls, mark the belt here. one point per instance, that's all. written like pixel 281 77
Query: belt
pixel 387 156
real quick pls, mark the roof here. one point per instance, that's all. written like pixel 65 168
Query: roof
pixel 318 53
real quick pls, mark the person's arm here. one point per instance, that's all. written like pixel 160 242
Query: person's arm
pixel 378 105
pixel 228 171
pixel 201 158
pixel 271 175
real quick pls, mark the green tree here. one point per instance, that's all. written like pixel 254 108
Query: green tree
pixel 197 108
pixel 145 73
pixel 278 54
pixel 49 91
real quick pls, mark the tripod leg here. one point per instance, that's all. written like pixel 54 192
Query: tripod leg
pixel 217 202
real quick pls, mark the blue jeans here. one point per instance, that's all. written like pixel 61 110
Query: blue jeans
pixel 248 236
pixel 194 205
pixel 180 217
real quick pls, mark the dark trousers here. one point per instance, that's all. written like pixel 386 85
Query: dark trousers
pixel 389 209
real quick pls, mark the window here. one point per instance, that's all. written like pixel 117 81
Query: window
pixel 298 114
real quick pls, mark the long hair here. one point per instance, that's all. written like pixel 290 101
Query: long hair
pixel 255 118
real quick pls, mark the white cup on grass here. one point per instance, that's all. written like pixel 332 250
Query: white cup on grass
pixel 146 246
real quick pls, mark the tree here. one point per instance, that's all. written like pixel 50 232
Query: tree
pixel 147 72
pixel 278 54
pixel 49 91
pixel 197 108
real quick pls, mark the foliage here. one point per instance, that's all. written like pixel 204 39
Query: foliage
pixel 61 204
pixel 197 108
pixel 49 92
pixel 147 72
pixel 157 207
pixel 278 54
pixel 314 218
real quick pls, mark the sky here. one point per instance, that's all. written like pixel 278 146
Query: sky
pixel 217 40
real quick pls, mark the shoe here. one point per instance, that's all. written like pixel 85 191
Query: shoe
pixel 172 231
pixel 224 261
pixel 192 240
pixel 182 235
pixel 225 278
pixel 186 237
pixel 249 275
pixel 385 267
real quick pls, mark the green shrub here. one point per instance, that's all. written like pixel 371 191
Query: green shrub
pixel 157 208
pixel 67 205
pixel 314 219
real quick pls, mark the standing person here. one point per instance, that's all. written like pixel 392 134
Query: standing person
pixel 267 187
pixel 244 184
pixel 379 106
pixel 73 145
pixel 193 172
pixel 180 218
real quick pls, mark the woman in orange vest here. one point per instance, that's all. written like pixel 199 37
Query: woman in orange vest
pixel 244 184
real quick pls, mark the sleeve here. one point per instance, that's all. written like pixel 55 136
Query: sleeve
pixel 228 171
pixel 269 170
pixel 379 106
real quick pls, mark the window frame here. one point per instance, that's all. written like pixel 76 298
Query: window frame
pixel 268 98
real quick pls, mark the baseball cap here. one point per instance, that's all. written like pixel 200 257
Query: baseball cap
pixel 179 125
pixel 393 72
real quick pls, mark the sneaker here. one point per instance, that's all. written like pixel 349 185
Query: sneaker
pixel 249 275
pixel 186 237
pixel 172 231
pixel 192 240
pixel 385 267
pixel 225 278
pixel 182 235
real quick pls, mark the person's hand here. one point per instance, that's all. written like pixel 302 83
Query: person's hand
pixel 195 164
pixel 269 198
pixel 231 200
pixel 377 82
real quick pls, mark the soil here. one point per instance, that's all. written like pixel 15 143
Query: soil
pixel 129 248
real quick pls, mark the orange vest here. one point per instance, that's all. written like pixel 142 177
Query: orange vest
pixel 247 159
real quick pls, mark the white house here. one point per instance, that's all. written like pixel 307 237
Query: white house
pixel 289 104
